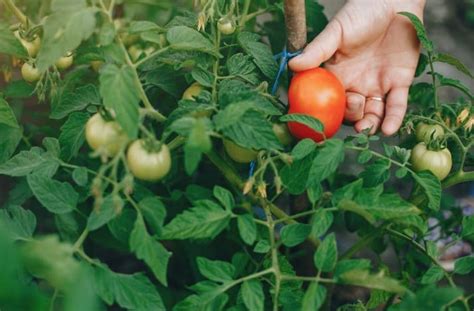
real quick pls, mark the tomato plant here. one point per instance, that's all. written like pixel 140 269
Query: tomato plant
pixel 318 93
pixel 167 179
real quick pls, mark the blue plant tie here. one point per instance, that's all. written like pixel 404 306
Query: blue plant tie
pixel 284 58
pixel 252 168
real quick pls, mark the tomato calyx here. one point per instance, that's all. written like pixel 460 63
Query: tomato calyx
pixel 107 115
pixel 152 145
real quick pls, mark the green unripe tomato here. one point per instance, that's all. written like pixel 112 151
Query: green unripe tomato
pixel 32 47
pixel 30 73
pixel 282 133
pixel 193 91
pixel 64 62
pixel 148 165
pixel 425 132
pixel 239 154
pixel 103 135
pixel 226 26
pixel 438 162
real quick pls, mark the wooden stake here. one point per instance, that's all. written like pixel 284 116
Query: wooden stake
pixel 295 15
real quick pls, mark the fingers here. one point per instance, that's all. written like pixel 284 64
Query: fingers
pixel 355 107
pixel 320 49
pixel 396 108
pixel 374 111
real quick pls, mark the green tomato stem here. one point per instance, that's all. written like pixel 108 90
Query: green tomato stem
pixel 16 11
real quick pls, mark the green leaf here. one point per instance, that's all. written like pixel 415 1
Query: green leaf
pixel 200 222
pixel 155 255
pixel 420 30
pixel 321 222
pixel 262 247
pixel 242 66
pixel 22 164
pixel 364 157
pixel 7 117
pixel 346 265
pixel 252 295
pixel 19 222
pixel 444 81
pixel 197 143
pixel 129 291
pixel 224 196
pixel 432 275
pixel 104 213
pixel 52 260
pixel 9 44
pixel 154 212
pixel 80 176
pixel 203 77
pixel 430 298
pixel 314 297
pixel 71 23
pixel 261 54
pixel 236 92
pixel 295 175
pixel 55 196
pixel 303 149
pixel 468 228
pixel 247 228
pixel 75 100
pixel 431 188
pixel 377 281
pixel 325 257
pixel 423 62
pixel 304 119
pixel 188 39
pixel 11 137
pixel 72 135
pixel 464 265
pixel 453 61
pixel 376 173
pixel 326 161
pixel 216 270
pixel 294 234
pixel 253 131
pixel 119 92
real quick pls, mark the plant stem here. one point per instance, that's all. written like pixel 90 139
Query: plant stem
pixel 146 102
pixel 81 239
pixel 360 244
pixel 234 179
pixel 147 58
pixel 459 177
pixel 16 11
pixel 433 75
pixel 307 279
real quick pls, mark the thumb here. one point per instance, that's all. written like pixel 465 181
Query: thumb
pixel 320 49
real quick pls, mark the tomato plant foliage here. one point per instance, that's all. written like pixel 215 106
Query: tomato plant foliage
pixel 88 223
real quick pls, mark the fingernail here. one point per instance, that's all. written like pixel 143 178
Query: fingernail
pixel 363 125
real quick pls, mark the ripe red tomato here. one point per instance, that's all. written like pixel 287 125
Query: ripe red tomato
pixel 318 93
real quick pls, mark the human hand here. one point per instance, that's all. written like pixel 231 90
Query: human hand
pixel 374 52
